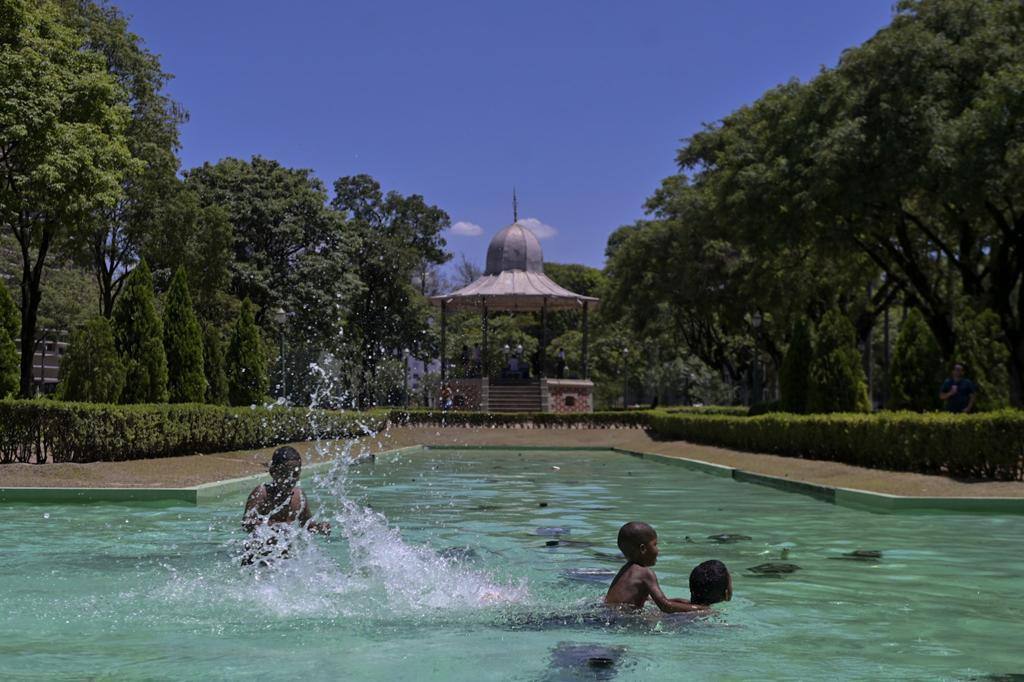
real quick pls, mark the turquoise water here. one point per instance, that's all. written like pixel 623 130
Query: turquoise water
pixel 109 592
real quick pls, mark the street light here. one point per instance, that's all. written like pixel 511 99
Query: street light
pixel 281 317
pixel 405 376
pixel 756 319
pixel 625 377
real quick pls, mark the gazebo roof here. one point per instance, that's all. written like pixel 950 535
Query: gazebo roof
pixel 514 279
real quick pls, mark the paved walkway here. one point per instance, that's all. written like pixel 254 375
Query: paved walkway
pixel 196 469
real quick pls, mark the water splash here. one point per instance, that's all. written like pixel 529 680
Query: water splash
pixel 366 568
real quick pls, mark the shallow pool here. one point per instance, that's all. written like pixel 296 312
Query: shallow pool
pixel 446 565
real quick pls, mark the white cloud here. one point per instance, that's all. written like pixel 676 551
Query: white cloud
pixel 539 229
pixel 464 229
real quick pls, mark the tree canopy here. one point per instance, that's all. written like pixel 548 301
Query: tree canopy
pixel 63 144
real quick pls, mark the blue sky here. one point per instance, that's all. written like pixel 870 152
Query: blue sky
pixel 581 105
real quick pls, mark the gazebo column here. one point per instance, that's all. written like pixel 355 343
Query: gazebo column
pixel 543 354
pixel 484 353
pixel 444 333
pixel 586 340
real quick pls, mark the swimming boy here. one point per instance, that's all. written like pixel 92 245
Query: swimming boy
pixel 636 582
pixel 710 583
pixel 279 502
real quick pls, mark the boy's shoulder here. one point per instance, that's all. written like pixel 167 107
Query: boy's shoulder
pixel 635 571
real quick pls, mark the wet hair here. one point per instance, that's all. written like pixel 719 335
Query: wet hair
pixel 283 457
pixel 709 582
pixel 634 534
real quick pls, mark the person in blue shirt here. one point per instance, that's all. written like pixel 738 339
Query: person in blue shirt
pixel 958 391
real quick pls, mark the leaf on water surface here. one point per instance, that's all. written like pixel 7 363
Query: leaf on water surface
pixel 869 555
pixel 774 569
pixel 729 538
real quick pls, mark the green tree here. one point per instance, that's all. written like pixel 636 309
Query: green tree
pixel 981 348
pixel 246 360
pixel 186 234
pixel 397 236
pixel 62 144
pixel 916 372
pixel 139 335
pixel 288 250
pixel 795 375
pixel 9 323
pixel 113 238
pixel 91 370
pixel 183 344
pixel 838 383
pixel 213 360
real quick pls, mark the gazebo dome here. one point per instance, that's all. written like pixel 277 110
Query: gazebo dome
pixel 514 248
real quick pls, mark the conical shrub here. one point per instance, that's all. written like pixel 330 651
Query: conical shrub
pixel 10 326
pixel 981 346
pixel 916 370
pixel 213 361
pixel 795 375
pixel 246 360
pixel 91 370
pixel 183 344
pixel 837 378
pixel 139 335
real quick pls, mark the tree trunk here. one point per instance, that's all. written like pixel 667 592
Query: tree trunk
pixel 31 295
pixel 1017 377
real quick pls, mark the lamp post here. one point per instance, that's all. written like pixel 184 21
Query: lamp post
pixel 281 317
pixel 756 319
pixel 405 377
pixel 625 378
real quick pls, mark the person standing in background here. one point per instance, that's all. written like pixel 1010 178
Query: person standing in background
pixel 958 391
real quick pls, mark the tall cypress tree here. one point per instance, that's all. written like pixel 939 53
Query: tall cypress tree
pixel 246 361
pixel 213 360
pixel 10 324
pixel 139 335
pixel 795 375
pixel 91 370
pixel 838 383
pixel 183 343
pixel 980 345
pixel 916 370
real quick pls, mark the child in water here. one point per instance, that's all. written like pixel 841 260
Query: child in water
pixel 280 502
pixel 636 582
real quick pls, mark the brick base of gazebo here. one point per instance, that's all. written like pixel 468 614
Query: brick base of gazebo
pixel 538 395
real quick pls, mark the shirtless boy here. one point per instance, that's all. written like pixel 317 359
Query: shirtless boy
pixel 636 581
pixel 279 502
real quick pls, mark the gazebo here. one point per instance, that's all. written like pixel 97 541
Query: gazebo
pixel 514 281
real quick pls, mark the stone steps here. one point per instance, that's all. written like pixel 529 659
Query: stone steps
pixel 514 398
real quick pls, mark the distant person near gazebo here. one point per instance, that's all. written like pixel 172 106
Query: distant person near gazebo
pixel 959 392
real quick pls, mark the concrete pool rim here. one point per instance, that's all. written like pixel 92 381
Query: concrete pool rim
pixel 845 497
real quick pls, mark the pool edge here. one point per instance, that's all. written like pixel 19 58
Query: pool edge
pixel 852 498
pixel 197 495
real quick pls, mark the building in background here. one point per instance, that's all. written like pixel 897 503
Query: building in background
pixel 49 352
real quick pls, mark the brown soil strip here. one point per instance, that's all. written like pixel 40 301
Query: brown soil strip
pixel 195 469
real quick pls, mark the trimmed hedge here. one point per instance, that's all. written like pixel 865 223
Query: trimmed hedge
pixel 976 446
pixel 39 430
pixel 983 446
pixel 620 418
pixel 732 410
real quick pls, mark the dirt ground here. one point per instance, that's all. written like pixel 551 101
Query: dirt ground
pixel 175 472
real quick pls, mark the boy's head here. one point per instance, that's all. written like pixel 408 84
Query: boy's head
pixel 958 371
pixel 639 543
pixel 710 582
pixel 285 466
